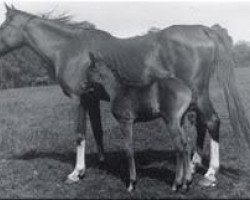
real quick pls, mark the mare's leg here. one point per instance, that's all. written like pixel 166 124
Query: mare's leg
pixel 95 120
pixel 210 118
pixel 127 132
pixel 79 169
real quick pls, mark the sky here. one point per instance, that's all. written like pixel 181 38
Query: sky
pixel 129 18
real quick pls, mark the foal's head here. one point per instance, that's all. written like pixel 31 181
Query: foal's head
pixel 98 79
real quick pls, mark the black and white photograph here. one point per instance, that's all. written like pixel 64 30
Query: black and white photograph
pixel 124 99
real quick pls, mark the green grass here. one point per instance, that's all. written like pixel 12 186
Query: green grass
pixel 37 151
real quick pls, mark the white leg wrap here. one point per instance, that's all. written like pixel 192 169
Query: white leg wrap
pixel 214 161
pixel 80 156
pixel 80 163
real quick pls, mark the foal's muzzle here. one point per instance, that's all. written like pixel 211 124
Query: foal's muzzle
pixel 95 91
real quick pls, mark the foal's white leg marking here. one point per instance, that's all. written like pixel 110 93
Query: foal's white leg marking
pixel 80 163
pixel 196 160
pixel 214 161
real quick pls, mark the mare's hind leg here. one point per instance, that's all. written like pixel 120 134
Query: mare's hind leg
pixel 211 120
pixel 95 121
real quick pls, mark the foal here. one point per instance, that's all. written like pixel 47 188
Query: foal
pixel 166 97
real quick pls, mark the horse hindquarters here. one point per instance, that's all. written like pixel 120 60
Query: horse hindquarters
pixel 175 99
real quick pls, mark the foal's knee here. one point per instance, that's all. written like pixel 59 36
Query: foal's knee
pixel 181 141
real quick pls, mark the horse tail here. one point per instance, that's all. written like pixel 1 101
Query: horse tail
pixel 225 74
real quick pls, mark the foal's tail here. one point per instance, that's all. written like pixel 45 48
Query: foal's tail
pixel 226 77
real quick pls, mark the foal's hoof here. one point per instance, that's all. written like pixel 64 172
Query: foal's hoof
pixel 184 188
pixel 131 186
pixel 101 159
pixel 175 187
pixel 101 164
pixel 206 182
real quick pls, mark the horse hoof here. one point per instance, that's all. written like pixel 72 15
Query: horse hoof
pixel 81 176
pixel 101 163
pixel 101 159
pixel 131 186
pixel 189 181
pixel 205 182
pixel 184 188
pixel 69 181
pixel 175 187
pixel 75 176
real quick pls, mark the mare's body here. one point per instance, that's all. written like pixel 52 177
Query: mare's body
pixel 191 53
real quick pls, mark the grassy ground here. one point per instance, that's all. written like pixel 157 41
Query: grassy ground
pixel 38 151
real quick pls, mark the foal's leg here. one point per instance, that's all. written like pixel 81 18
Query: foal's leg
pixel 79 170
pixel 127 132
pixel 201 133
pixel 174 130
pixel 189 121
pixel 95 120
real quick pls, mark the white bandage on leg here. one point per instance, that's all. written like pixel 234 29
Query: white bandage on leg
pixel 80 163
pixel 214 161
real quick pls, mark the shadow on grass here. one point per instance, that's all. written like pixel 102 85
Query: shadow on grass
pixel 153 164
pixel 149 162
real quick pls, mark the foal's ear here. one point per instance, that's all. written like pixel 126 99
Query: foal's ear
pixel 92 57
pixel 7 7
pixel 13 7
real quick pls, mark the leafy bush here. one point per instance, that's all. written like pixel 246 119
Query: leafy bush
pixel 242 54
pixel 22 68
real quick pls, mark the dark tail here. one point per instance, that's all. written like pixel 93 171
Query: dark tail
pixel 225 74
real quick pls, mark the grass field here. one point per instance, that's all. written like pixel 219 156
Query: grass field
pixel 37 151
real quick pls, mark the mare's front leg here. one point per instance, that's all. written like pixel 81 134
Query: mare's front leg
pixel 80 167
pixel 95 120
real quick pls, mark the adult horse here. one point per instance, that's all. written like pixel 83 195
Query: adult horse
pixel 192 53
